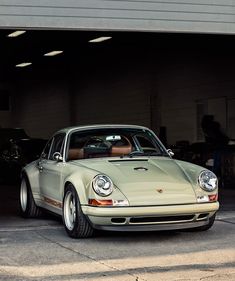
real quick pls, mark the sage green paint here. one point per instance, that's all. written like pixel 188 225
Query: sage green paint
pixel 177 180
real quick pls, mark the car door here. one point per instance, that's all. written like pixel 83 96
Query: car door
pixel 51 171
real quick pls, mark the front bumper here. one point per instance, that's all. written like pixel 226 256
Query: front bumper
pixel 150 218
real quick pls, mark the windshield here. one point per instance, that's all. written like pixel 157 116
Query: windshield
pixel 116 142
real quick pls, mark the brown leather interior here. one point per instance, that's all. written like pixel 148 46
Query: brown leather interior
pixel 78 153
pixel 75 153
pixel 121 150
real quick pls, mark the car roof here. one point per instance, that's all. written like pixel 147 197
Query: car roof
pixel 99 126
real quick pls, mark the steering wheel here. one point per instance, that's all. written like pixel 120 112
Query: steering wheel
pixel 94 142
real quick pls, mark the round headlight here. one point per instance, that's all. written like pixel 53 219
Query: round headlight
pixel 102 185
pixel 208 181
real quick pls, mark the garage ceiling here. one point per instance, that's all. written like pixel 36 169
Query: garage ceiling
pixel 32 45
pixel 77 51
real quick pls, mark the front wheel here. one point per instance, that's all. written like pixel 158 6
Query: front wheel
pixel 75 222
pixel 28 208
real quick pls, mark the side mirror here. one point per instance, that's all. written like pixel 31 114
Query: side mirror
pixel 170 152
pixel 43 155
pixel 57 157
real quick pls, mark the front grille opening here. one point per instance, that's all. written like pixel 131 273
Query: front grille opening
pixel 202 216
pixel 118 220
pixel 161 219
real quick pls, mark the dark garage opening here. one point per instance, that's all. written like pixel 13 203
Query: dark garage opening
pixel 167 82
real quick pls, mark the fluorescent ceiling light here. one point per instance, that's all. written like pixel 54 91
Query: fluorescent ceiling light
pixel 23 64
pixel 16 33
pixel 53 53
pixel 99 39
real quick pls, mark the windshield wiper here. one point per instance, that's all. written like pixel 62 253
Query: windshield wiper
pixel 153 153
pixel 142 153
pixel 132 154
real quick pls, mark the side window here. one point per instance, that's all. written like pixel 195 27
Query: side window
pixel 46 150
pixel 58 144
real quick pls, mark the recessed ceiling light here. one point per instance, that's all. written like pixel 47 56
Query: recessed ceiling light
pixel 23 64
pixel 16 33
pixel 53 53
pixel 100 39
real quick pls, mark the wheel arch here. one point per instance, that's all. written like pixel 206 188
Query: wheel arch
pixel 31 174
pixel 80 189
pixel 23 174
pixel 28 207
pixel 26 177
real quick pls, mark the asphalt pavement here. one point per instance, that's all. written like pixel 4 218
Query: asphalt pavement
pixel 39 249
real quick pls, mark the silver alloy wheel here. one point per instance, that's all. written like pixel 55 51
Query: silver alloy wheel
pixel 69 210
pixel 23 195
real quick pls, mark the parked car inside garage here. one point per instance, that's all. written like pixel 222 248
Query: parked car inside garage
pixel 17 150
pixel 117 177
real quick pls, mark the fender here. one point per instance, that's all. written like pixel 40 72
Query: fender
pixel 82 184
pixel 32 174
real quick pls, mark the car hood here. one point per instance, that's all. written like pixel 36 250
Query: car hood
pixel 147 181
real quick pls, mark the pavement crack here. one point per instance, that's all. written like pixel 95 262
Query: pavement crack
pixel 214 276
pixel 226 221
pixel 137 278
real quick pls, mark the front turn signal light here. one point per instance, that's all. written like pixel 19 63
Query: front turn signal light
pixel 96 202
pixel 213 198
pixel 108 202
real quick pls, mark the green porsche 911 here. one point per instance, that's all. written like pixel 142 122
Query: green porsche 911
pixel 118 178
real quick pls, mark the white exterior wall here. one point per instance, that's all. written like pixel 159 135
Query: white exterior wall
pixel 204 16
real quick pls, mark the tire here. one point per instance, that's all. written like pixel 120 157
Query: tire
pixel 28 208
pixel 204 227
pixel 75 222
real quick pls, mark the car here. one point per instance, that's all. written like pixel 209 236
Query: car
pixel 15 154
pixel 117 178
pixel 6 134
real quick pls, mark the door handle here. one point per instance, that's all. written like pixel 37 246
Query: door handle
pixel 40 168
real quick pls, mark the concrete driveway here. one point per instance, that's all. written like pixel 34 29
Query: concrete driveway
pixel 39 249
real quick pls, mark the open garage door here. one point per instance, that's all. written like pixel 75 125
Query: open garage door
pixel 54 79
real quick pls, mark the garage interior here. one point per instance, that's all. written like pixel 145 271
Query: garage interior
pixel 165 81
pixel 156 80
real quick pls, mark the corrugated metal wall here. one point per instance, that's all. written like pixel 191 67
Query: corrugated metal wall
pixel 40 107
pixel 211 16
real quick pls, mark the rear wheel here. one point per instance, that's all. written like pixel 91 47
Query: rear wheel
pixel 28 208
pixel 75 222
